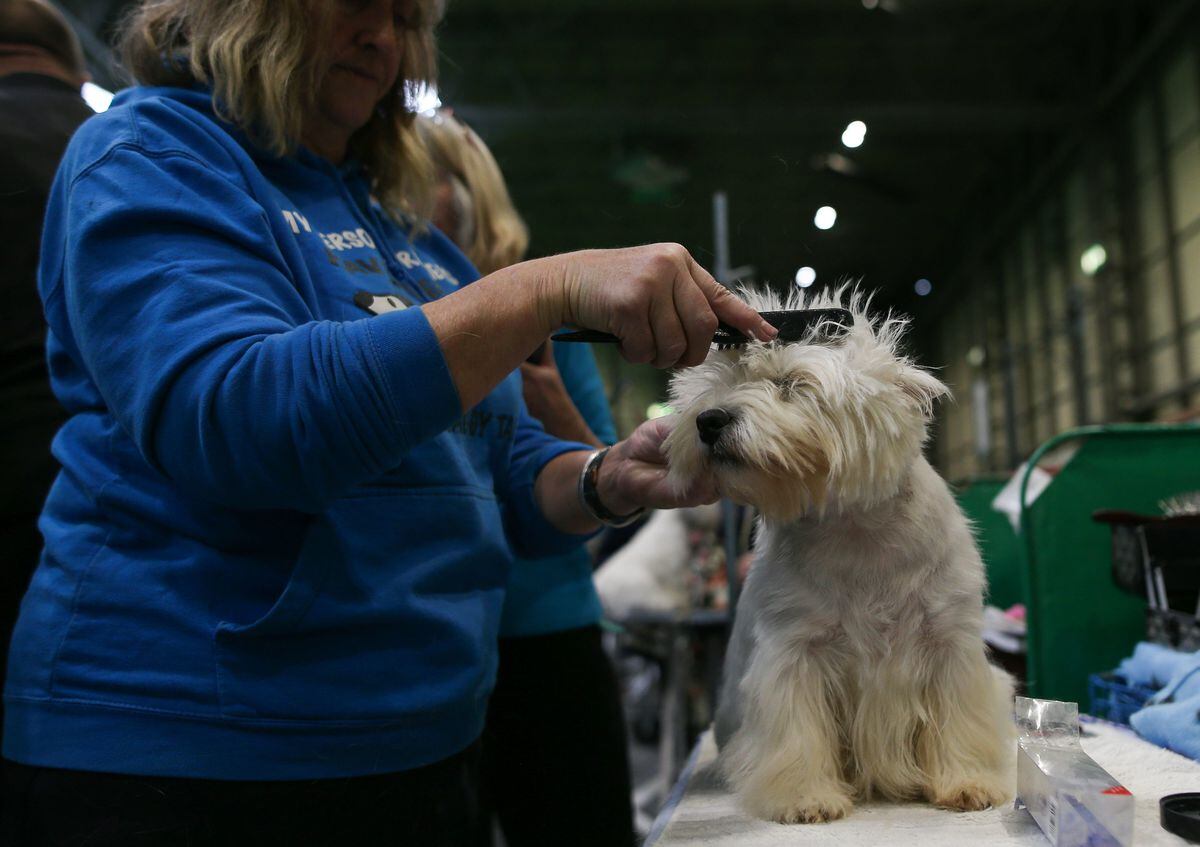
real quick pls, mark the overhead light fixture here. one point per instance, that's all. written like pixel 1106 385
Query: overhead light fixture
pixel 923 287
pixel 854 134
pixel 805 277
pixel 870 4
pixel 1093 259
pixel 825 217
pixel 98 98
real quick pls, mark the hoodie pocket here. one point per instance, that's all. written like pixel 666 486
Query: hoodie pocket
pixel 391 613
pixel 288 609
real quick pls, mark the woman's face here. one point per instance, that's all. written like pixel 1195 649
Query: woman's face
pixel 367 46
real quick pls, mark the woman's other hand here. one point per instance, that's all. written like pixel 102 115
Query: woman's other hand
pixel 634 473
pixel 632 476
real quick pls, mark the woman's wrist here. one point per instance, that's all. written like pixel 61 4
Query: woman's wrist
pixel 608 483
pixel 549 279
pixel 591 500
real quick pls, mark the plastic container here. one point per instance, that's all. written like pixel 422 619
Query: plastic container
pixel 1076 802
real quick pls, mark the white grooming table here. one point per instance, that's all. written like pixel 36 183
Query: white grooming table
pixel 702 813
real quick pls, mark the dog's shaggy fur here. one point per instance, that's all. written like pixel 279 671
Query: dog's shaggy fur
pixel 857 666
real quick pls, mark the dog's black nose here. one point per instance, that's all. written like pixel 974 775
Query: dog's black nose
pixel 710 422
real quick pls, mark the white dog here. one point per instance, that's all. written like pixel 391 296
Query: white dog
pixel 856 666
pixel 650 573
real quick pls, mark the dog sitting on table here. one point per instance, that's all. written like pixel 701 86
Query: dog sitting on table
pixel 856 666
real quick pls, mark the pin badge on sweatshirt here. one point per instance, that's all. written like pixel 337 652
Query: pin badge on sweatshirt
pixel 378 304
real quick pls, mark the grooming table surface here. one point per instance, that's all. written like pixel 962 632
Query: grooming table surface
pixel 702 813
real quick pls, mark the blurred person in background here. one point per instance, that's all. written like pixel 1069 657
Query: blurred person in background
pixel 297 464
pixel 41 72
pixel 555 767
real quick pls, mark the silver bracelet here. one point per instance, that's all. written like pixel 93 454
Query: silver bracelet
pixel 589 497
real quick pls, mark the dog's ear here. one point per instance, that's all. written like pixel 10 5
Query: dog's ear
pixel 922 387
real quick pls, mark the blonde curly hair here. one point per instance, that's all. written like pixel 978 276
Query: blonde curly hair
pixel 262 59
pixel 489 229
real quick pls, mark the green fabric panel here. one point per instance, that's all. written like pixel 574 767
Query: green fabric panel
pixel 1079 622
pixel 997 542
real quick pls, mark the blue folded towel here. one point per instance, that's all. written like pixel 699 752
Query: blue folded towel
pixel 1175 726
pixel 1184 685
pixel 1154 664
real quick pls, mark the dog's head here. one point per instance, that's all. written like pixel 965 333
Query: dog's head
pixel 833 420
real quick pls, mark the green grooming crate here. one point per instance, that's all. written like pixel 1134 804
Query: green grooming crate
pixel 998 543
pixel 1079 621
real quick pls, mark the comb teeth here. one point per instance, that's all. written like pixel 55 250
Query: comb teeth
pixel 812 325
pixel 819 324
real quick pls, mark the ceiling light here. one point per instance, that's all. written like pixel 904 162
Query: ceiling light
pixel 923 287
pixel 825 217
pixel 96 97
pixel 854 134
pixel 870 4
pixel 805 277
pixel 1093 259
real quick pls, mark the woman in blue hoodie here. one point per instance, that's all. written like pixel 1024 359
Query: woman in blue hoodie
pixel 297 460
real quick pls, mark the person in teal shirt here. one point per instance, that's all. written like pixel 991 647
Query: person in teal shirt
pixel 554 739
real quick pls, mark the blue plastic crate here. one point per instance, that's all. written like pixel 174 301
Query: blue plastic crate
pixel 1114 698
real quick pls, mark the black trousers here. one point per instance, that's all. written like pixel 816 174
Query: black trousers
pixel 433 806
pixel 555 766
pixel 20 547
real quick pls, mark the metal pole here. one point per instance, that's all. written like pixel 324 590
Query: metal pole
pixel 1049 329
pixel 721 237
pixel 1010 403
pixel 1132 275
pixel 1075 335
pixel 1170 225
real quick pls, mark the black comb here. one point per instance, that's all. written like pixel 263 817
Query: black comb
pixel 794 325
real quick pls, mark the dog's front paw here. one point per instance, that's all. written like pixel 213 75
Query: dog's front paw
pixel 970 797
pixel 813 807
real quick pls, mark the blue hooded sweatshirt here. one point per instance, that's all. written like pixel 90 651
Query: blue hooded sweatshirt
pixel 277 548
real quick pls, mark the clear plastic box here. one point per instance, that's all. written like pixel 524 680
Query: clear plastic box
pixel 1076 802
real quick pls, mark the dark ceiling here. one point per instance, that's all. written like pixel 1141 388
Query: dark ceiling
pixel 616 120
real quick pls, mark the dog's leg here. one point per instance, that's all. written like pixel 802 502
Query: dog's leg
pixel 785 758
pixel 967 750
pixel 884 722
